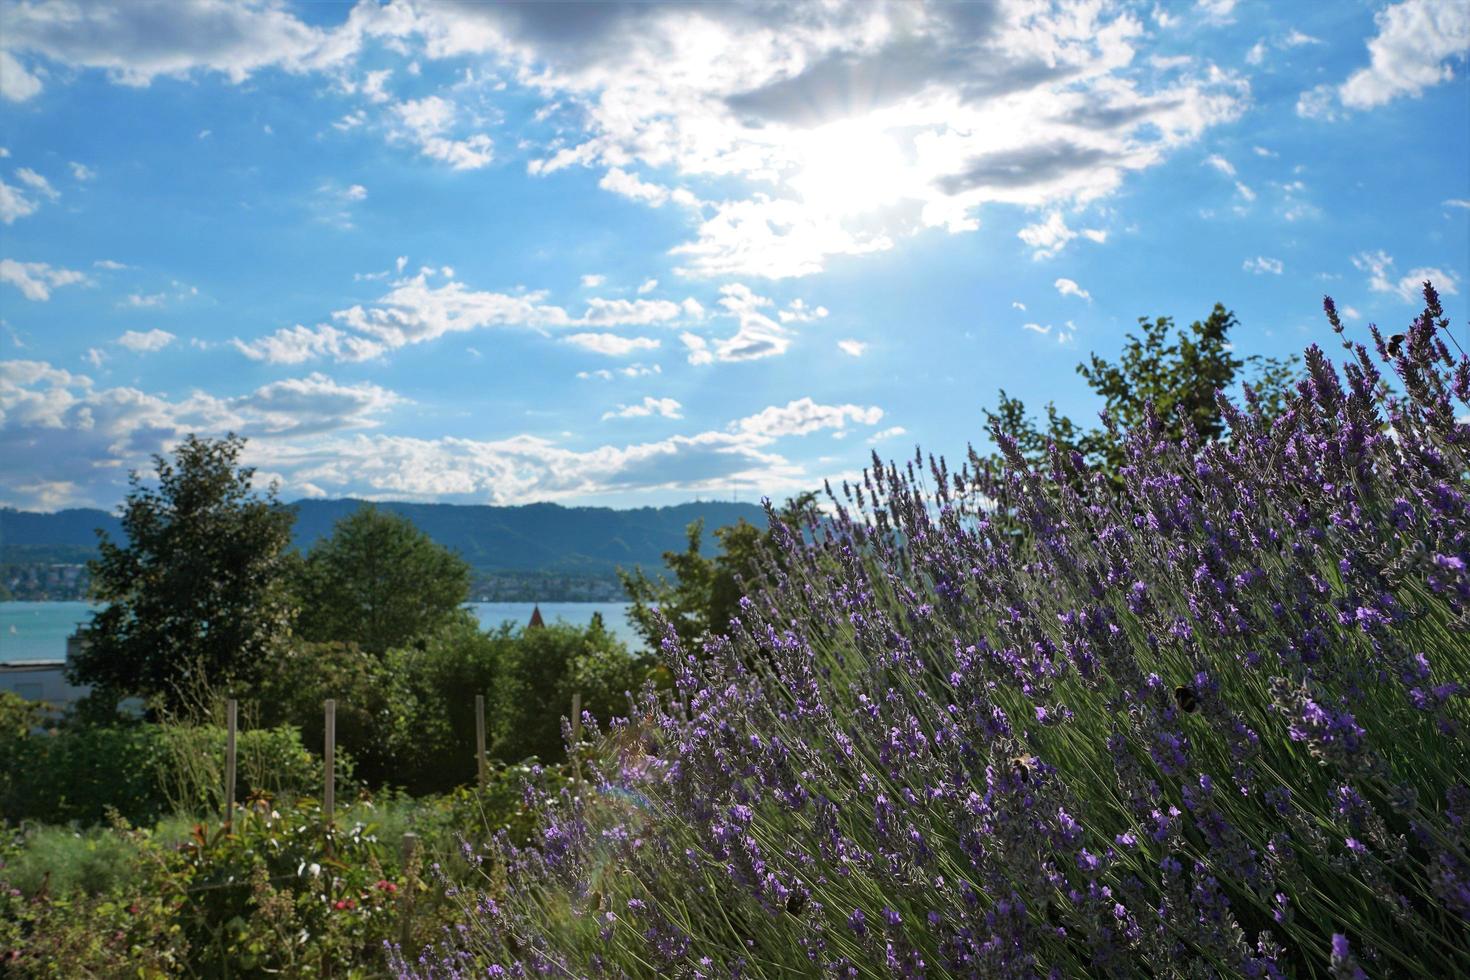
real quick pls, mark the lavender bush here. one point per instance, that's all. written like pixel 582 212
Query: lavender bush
pixel 1003 722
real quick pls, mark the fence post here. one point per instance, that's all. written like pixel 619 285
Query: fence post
pixel 480 738
pixel 230 725
pixel 329 760
pixel 577 737
pixel 405 897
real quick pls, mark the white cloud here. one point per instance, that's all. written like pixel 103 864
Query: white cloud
pixel 95 356
pixel 798 312
pixel 1221 164
pixel 14 203
pixel 1018 305
pixel 852 348
pixel 698 348
pixel 891 432
pixel 143 39
pixel 1457 202
pixel 1069 288
pixel 110 265
pixel 415 311
pixel 1262 151
pixel 144 343
pixel 611 344
pixel 35 280
pixel 1416 40
pixel 860 124
pixel 803 417
pixel 1415 48
pixel 68 442
pixel 593 281
pixel 139 301
pixel 373 85
pixel 1409 287
pixel 1049 237
pixel 16 84
pixel 757 335
pixel 37 183
pixel 619 181
pixel 1217 10
pixel 1296 39
pixel 1261 265
pixel 426 122
pixel 82 172
pixel 1036 328
pixel 648 286
pixel 356 192
pixel 665 407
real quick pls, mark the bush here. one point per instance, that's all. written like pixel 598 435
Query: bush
pixel 539 671
pixel 268 895
pixel 141 771
pixel 1210 723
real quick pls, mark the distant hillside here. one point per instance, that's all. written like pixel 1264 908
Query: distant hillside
pixel 535 538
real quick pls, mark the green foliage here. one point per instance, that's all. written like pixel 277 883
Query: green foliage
pixel 18 715
pixel 375 711
pixel 1175 371
pixel 195 596
pixel 271 894
pixel 440 682
pixel 705 591
pixel 140 771
pixel 539 669
pixel 379 582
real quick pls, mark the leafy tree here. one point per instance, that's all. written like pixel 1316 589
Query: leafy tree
pixel 379 582
pixel 538 671
pixel 1175 371
pixel 705 591
pixel 196 597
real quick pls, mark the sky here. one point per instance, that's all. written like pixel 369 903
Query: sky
pixel 632 254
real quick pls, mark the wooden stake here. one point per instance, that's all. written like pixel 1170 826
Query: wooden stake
pixel 230 719
pixel 405 897
pixel 329 760
pixel 480 739
pixel 577 736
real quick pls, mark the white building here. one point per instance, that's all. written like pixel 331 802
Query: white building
pixel 40 680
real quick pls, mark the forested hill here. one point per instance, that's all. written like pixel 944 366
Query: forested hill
pixel 548 538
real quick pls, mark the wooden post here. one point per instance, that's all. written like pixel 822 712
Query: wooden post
pixel 405 897
pixel 577 736
pixel 230 720
pixel 480 739
pixel 329 760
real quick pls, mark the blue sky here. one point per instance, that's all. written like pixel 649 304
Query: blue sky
pixel 638 253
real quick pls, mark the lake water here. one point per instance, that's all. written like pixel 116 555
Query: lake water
pixel 38 630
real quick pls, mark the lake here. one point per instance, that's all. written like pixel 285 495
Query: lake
pixel 38 630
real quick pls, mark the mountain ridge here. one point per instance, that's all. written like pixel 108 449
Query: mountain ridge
pixel 525 538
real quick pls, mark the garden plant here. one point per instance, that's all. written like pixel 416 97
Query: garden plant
pixel 1203 715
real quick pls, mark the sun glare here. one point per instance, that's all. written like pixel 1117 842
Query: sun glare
pixel 849 167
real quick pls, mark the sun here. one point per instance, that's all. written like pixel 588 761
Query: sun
pixel 849 167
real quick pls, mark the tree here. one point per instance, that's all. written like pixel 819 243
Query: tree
pixel 1177 374
pixel 705 592
pixel 538 670
pixel 379 582
pixel 196 597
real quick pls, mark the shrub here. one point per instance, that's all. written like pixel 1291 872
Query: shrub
pixel 142 771
pixel 1210 722
pixel 539 670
